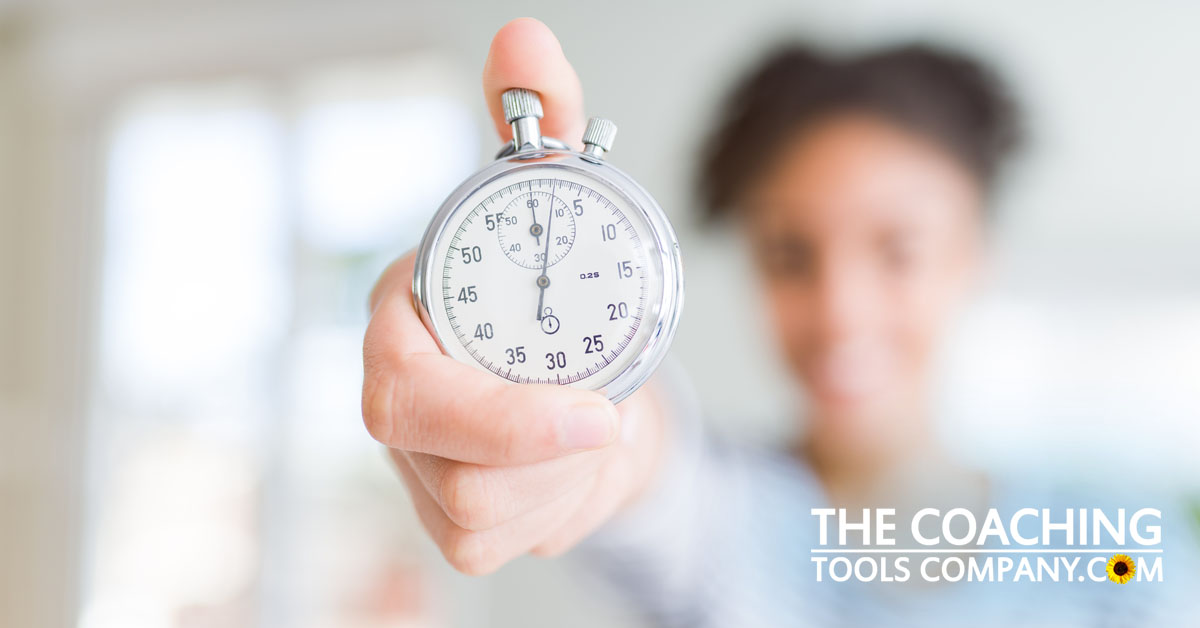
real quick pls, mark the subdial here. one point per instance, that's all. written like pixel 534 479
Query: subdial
pixel 529 234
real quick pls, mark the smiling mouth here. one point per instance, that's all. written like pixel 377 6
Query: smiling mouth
pixel 848 374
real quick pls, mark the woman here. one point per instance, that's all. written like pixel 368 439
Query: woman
pixel 861 185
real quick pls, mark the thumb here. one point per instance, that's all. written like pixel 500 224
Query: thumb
pixel 526 54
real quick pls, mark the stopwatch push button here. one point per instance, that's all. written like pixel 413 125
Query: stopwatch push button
pixel 523 109
pixel 599 136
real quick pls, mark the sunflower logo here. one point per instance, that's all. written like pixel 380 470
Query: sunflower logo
pixel 1121 569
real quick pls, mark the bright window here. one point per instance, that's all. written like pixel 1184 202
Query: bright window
pixel 231 482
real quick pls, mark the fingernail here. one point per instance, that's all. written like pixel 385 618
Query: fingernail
pixel 588 426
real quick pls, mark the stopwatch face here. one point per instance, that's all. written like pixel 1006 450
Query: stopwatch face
pixel 551 274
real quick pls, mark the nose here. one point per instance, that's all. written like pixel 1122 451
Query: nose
pixel 846 300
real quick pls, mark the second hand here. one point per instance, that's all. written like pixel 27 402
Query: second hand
pixel 543 281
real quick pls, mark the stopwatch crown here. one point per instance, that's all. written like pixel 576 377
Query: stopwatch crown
pixel 599 135
pixel 521 103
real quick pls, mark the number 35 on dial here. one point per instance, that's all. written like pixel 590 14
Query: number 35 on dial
pixel 552 268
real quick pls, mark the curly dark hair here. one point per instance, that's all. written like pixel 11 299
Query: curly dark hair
pixel 954 100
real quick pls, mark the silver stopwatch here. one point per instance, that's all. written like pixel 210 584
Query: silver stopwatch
pixel 551 266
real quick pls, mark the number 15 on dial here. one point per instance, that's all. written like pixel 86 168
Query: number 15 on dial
pixel 551 266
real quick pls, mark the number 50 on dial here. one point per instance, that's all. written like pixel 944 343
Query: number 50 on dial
pixel 552 267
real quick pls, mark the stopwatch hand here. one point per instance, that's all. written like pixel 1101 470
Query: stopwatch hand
pixel 543 281
pixel 549 221
pixel 534 229
pixel 541 296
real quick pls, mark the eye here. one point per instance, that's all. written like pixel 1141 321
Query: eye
pixel 784 257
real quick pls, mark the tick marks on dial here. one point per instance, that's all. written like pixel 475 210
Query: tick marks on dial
pixel 503 218
pixel 523 245
pixel 543 281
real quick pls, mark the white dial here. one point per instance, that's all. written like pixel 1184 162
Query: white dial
pixel 550 266
pixel 548 276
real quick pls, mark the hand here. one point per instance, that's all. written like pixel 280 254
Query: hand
pixel 497 469
pixel 543 281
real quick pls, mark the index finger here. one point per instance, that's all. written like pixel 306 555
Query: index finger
pixel 393 291
pixel 416 399
pixel 526 54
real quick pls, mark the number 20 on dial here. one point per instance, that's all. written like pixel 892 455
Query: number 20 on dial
pixel 550 266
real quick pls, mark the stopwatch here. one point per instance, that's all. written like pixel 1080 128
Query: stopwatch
pixel 550 266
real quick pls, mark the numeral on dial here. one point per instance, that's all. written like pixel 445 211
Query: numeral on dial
pixel 556 361
pixel 547 229
pixel 593 344
pixel 471 254
pixel 491 220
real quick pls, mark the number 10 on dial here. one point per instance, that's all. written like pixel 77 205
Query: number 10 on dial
pixel 552 267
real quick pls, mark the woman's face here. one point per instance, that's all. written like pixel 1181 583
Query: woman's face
pixel 866 237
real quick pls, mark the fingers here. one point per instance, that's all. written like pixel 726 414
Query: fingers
pixel 525 53
pixel 416 399
pixel 482 552
pixel 435 405
pixel 478 497
pixel 636 456
pixel 396 279
pixel 395 329
pixel 608 493
pixel 482 517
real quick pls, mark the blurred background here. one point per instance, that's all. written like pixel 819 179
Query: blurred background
pixel 195 199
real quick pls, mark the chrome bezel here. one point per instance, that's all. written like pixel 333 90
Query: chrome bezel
pixel 665 315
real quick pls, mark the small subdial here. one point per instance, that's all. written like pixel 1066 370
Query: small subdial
pixel 535 226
